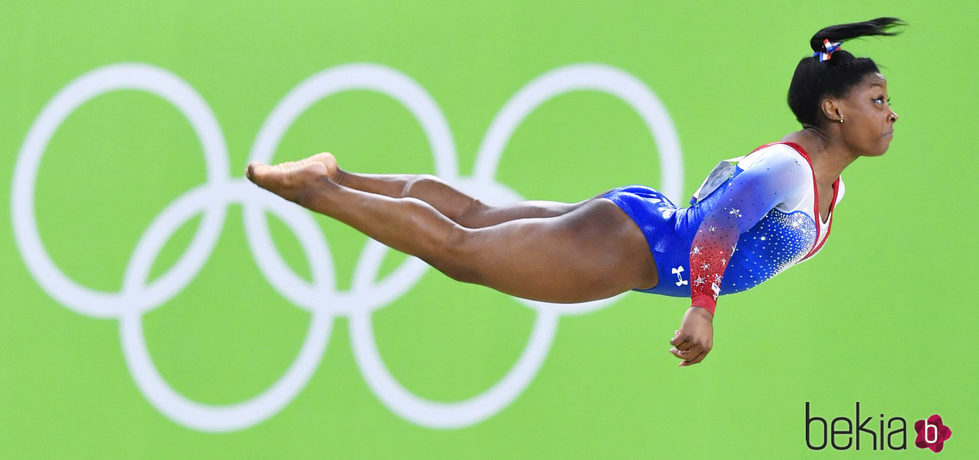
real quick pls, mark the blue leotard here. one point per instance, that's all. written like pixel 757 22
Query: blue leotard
pixel 753 217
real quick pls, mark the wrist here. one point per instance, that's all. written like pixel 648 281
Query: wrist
pixel 704 302
pixel 704 312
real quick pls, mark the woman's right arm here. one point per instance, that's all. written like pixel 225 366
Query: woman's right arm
pixel 769 180
pixel 751 194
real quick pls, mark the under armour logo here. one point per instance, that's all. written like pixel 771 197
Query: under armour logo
pixel 679 278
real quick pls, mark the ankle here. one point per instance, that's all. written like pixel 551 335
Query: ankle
pixel 338 176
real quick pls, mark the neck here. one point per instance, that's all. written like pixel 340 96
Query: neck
pixel 828 154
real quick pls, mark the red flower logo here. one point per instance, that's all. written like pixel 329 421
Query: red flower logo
pixel 932 433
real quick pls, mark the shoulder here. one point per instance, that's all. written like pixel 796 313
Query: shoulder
pixel 778 161
pixel 777 155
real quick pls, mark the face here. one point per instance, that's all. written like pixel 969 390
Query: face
pixel 868 121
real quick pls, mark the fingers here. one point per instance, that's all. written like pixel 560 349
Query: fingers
pixel 693 341
pixel 682 342
pixel 685 355
pixel 691 355
pixel 695 360
pixel 678 340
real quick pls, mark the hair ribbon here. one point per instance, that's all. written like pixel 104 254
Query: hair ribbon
pixel 828 47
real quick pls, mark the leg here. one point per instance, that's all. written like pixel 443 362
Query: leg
pixel 592 252
pixel 457 206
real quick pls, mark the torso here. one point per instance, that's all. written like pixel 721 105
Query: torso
pixel 786 235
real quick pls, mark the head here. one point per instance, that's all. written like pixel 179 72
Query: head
pixel 843 95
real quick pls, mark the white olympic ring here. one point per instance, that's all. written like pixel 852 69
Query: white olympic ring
pixel 319 296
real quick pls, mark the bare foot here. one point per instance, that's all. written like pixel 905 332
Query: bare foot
pixel 292 179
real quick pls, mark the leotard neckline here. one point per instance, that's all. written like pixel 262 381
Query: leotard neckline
pixel 815 208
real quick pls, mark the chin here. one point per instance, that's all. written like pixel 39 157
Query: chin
pixel 881 150
pixel 874 153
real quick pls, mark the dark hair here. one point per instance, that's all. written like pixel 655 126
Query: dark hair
pixel 814 80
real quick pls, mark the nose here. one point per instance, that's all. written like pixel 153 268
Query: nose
pixel 892 117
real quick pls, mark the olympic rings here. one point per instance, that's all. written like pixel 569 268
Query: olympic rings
pixel 319 296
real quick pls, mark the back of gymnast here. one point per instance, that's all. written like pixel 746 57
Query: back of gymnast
pixel 753 217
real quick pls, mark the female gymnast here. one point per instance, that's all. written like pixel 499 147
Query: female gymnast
pixel 753 217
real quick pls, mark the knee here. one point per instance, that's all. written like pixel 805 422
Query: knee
pixel 455 205
pixel 455 257
pixel 417 182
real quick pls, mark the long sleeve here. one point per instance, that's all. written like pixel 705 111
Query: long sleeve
pixel 750 195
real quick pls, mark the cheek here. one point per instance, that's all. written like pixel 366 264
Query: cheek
pixel 861 128
pixel 871 123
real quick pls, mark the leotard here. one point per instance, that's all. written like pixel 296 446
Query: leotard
pixel 753 217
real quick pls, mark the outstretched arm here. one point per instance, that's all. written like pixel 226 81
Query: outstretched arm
pixel 750 195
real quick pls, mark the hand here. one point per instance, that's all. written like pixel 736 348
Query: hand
pixel 695 338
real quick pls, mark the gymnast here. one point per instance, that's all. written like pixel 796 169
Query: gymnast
pixel 753 216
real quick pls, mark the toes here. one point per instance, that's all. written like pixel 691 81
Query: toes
pixel 326 159
pixel 287 176
pixel 250 171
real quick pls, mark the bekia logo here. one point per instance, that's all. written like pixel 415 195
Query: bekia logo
pixel 932 433
pixel 843 433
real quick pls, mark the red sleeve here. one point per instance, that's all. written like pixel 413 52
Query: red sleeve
pixel 750 195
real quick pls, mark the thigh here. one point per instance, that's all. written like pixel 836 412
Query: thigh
pixel 490 215
pixel 592 252
pixel 483 215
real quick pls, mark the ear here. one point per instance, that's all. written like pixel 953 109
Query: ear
pixel 830 108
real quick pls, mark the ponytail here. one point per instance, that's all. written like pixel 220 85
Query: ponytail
pixel 839 33
pixel 830 71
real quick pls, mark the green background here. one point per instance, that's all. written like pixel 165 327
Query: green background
pixel 883 316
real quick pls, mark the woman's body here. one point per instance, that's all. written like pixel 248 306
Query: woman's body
pixel 764 205
pixel 559 252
